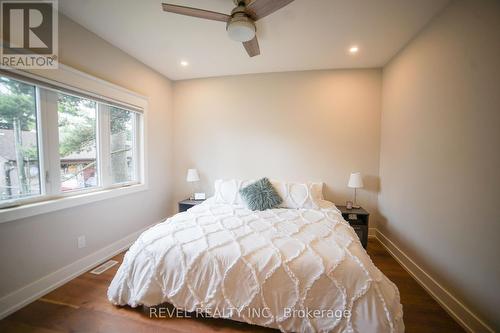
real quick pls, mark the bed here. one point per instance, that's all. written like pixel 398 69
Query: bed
pixel 297 270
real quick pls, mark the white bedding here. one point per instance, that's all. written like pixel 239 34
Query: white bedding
pixel 272 268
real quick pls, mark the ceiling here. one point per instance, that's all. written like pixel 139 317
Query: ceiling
pixel 305 35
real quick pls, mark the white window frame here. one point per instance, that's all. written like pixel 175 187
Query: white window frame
pixel 51 197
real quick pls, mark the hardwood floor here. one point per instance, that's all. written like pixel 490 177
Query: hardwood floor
pixel 81 306
pixel 421 312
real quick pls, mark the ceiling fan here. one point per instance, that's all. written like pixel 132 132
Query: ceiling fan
pixel 240 25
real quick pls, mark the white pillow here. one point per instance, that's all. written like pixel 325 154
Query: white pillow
pixel 294 195
pixel 299 195
pixel 227 191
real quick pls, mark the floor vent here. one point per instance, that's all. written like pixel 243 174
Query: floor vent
pixel 104 267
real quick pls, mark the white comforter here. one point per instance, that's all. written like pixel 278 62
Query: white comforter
pixel 296 270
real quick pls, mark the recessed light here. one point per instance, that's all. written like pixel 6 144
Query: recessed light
pixel 353 49
pixel 184 63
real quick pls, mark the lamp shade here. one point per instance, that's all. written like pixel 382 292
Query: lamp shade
pixel 355 180
pixel 192 175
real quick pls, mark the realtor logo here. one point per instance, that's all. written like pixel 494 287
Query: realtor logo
pixel 29 34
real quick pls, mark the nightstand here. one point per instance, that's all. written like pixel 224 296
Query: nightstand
pixel 188 203
pixel 358 219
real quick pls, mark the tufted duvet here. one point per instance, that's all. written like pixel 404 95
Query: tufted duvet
pixel 298 270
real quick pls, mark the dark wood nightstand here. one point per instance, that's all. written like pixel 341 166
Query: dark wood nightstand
pixel 188 203
pixel 358 220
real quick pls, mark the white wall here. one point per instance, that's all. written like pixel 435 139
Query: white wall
pixel 314 125
pixel 34 247
pixel 440 156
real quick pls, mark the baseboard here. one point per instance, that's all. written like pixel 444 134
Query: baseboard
pixel 31 292
pixel 372 232
pixel 466 318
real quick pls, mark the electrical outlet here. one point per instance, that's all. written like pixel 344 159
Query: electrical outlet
pixel 82 242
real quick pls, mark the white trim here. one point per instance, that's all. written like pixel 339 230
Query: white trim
pixel 31 292
pixel 463 315
pixel 103 146
pixel 50 142
pixel 41 139
pixel 80 82
pixel 142 146
pixel 58 203
pixel 136 147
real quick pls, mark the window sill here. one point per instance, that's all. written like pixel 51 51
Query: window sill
pixel 51 205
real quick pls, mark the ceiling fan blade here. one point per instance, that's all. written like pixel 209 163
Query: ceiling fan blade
pixel 252 47
pixel 201 13
pixel 258 9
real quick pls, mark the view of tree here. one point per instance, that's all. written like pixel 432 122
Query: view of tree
pixel 75 139
pixel 17 112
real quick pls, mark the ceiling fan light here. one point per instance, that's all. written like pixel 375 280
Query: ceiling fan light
pixel 241 29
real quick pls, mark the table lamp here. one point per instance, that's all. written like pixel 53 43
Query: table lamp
pixel 192 177
pixel 355 182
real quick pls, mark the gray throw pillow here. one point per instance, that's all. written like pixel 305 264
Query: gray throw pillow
pixel 261 195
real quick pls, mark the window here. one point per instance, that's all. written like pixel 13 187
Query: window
pixel 58 142
pixel 19 163
pixel 123 160
pixel 77 142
